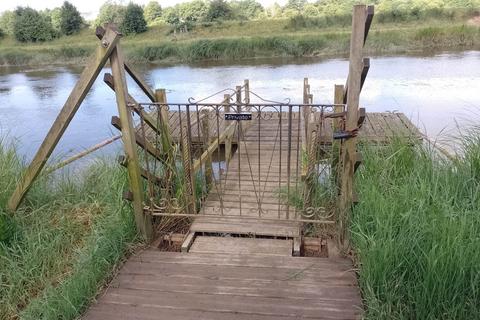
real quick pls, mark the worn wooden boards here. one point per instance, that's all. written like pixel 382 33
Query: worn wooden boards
pixel 169 285
pixel 380 127
pixel 238 245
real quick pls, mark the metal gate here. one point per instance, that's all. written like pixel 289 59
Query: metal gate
pixel 269 161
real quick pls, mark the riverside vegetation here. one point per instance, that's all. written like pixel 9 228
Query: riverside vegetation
pixel 227 41
pixel 217 31
pixel 415 233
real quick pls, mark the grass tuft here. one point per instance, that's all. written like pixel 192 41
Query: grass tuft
pixel 416 231
pixel 67 238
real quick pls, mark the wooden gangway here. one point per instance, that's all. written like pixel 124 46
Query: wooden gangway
pixel 228 286
pixel 238 258
pixel 244 255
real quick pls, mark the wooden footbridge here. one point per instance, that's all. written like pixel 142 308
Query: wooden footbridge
pixel 249 177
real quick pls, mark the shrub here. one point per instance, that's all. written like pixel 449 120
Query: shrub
pixel 31 26
pixel 152 11
pixel 110 13
pixel 218 10
pixel 7 21
pixel 70 19
pixel 133 22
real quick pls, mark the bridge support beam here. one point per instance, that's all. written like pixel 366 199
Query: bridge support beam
pixel 356 66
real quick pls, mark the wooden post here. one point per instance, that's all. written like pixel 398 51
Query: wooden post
pixel 83 85
pixel 246 85
pixel 161 97
pixel 349 147
pixel 228 139
pixel 238 98
pixel 310 176
pixel 206 142
pixel 306 112
pixel 188 172
pixel 337 125
pixel 143 221
pixel 151 121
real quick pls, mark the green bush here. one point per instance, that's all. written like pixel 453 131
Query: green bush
pixel 7 21
pixel 152 11
pixel 133 21
pixel 110 13
pixel 31 26
pixel 70 19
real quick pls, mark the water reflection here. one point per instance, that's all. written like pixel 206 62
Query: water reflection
pixel 437 92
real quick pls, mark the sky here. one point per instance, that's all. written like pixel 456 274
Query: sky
pixel 89 8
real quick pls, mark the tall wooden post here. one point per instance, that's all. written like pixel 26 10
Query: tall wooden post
pixel 337 125
pixel 143 221
pixel 90 73
pixel 246 85
pixel 228 139
pixel 206 142
pixel 349 147
pixel 188 172
pixel 238 98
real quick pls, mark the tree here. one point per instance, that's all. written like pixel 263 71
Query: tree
pixel 70 19
pixel 218 10
pixel 32 26
pixel 110 12
pixel 133 22
pixel 56 19
pixel 7 22
pixel 246 9
pixel 171 15
pixel 152 11
pixel 296 5
pixel 194 11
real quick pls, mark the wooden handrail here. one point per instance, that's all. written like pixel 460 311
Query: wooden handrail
pixel 213 146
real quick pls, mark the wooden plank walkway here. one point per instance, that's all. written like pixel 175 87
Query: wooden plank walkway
pixel 239 262
pixel 214 286
pixel 379 127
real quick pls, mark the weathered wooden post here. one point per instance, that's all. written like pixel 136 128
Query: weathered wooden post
pixel 228 139
pixel 238 98
pixel 337 125
pixel 98 59
pixel 189 176
pixel 206 142
pixel 246 85
pixel 311 176
pixel 143 220
pixel 349 146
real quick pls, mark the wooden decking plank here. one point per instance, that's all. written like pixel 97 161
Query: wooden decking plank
pixel 236 287
pixel 232 304
pixel 229 245
pixel 312 263
pixel 242 225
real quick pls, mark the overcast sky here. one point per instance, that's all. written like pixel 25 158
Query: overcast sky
pixel 89 8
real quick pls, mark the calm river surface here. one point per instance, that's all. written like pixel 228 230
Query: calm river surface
pixel 437 92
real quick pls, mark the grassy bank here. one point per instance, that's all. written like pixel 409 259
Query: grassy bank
pixel 417 233
pixel 65 241
pixel 252 39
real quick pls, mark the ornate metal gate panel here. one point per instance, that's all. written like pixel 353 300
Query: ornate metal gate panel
pixel 235 159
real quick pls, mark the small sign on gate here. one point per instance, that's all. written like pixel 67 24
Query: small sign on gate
pixel 238 116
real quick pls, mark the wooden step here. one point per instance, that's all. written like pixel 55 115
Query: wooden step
pixel 246 226
pixel 237 245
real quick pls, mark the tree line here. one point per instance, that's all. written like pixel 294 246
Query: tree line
pixel 29 25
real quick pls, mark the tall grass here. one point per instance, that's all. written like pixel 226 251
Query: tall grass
pixel 416 232
pixel 64 242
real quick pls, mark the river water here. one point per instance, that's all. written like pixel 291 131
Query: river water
pixel 437 92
